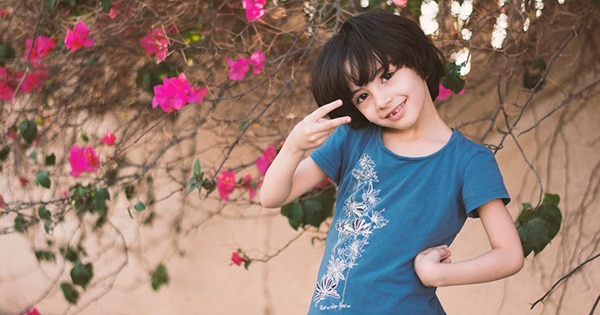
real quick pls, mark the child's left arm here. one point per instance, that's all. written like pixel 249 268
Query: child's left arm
pixel 505 258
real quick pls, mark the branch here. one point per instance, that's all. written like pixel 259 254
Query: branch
pixel 565 102
pixel 565 277
pixel 595 305
pixel 266 258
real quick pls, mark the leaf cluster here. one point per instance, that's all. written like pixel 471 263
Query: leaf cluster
pixel 538 226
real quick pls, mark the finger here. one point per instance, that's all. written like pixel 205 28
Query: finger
pixel 324 110
pixel 444 253
pixel 329 124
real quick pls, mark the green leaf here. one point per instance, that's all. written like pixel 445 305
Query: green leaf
pixel 4 153
pixel 537 227
pixel 42 178
pixel 551 199
pixel 81 274
pixel 414 7
pixel 70 254
pixel 197 169
pixel 247 263
pixel 44 255
pixel 51 4
pixel 159 277
pixel 44 213
pixel 319 207
pixel 100 198
pixel 7 53
pixel 70 293
pixel 295 214
pixel 196 181
pixel 47 226
pixel 129 191
pixel 50 160
pixel 139 206
pixel 209 185
pixel 28 130
pixel 452 79
pixel 20 223
pixel 105 5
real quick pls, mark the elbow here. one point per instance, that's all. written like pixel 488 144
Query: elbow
pixel 267 201
pixel 268 205
pixel 516 261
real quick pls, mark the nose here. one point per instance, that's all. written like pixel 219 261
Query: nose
pixel 382 98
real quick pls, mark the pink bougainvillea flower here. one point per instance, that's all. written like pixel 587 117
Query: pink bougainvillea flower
pixel 175 93
pixel 33 311
pixel 226 184
pixel 112 13
pixel 400 3
pixel 445 93
pixel 11 134
pixel 237 259
pixel 265 159
pixel 196 95
pixel 42 47
pixel 238 69
pixel 83 160
pixel 34 80
pixel 7 84
pixel 249 185
pixel 156 43
pixel 109 138
pixel 65 194
pixel 257 61
pixel 323 184
pixel 78 38
pixel 255 9
pixel 3 13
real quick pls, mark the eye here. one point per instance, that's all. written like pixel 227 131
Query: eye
pixel 361 98
pixel 387 76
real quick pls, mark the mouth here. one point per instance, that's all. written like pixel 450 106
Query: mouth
pixel 397 112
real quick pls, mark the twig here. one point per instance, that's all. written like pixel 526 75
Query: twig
pixel 568 275
pixel 595 305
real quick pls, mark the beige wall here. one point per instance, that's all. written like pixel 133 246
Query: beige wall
pixel 563 151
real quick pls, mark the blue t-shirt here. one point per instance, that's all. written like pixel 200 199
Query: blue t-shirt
pixel 388 209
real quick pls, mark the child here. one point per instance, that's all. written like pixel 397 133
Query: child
pixel 406 181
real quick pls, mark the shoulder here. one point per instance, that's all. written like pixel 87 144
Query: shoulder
pixel 469 148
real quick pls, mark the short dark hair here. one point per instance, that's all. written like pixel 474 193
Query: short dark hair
pixel 364 44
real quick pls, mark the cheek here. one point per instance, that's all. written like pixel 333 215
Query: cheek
pixel 367 111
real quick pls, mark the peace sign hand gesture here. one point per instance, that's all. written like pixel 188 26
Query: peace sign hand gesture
pixel 314 129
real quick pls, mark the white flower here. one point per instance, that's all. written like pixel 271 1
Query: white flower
pixel 335 269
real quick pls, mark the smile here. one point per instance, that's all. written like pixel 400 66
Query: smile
pixel 397 112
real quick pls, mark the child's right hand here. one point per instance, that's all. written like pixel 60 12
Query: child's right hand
pixel 314 129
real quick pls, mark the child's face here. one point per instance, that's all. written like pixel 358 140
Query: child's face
pixel 394 99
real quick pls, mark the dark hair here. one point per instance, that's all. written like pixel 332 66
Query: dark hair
pixel 364 44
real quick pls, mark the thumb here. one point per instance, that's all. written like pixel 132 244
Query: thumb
pixel 443 253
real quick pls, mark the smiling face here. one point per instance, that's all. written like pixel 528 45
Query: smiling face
pixel 366 44
pixel 397 99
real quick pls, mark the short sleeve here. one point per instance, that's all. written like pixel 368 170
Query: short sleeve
pixel 482 182
pixel 330 154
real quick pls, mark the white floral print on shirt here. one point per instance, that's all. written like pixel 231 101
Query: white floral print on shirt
pixel 359 220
